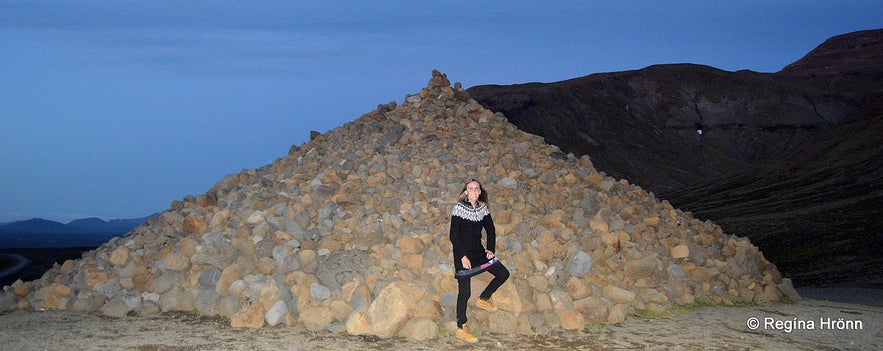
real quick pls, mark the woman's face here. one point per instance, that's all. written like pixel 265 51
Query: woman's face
pixel 473 189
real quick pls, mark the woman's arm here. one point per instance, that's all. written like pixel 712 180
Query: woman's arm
pixel 459 246
pixel 491 232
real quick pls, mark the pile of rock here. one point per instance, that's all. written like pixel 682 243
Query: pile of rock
pixel 349 232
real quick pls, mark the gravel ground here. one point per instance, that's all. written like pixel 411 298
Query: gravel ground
pixel 804 325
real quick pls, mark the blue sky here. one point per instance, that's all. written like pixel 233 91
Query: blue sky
pixel 116 108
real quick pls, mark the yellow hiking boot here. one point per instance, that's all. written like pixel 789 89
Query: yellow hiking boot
pixel 464 334
pixel 485 305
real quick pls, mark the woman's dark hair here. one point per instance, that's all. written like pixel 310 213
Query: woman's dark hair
pixel 482 196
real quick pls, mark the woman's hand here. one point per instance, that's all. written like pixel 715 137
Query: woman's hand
pixel 489 254
pixel 466 263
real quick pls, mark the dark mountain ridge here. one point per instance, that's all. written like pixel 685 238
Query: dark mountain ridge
pixel 42 233
pixel 114 226
pixel 790 159
pixel 851 64
pixel 634 123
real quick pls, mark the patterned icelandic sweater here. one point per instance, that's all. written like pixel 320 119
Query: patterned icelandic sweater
pixel 465 235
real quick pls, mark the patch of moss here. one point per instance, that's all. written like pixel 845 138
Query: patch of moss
pixel 681 310
pixel 597 326
pixel 654 314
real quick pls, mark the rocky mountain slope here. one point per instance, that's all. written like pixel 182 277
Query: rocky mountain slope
pixel 736 147
pixel 349 232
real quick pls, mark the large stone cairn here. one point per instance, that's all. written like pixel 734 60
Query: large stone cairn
pixel 349 232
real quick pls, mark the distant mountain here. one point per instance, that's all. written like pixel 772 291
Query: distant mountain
pixel 42 233
pixel 36 225
pixel 87 222
pixel 791 160
pixel 114 226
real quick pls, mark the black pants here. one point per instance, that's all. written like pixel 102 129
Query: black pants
pixel 500 273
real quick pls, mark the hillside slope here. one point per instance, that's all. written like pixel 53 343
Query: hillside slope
pixel 644 125
pixel 815 210
pixel 756 130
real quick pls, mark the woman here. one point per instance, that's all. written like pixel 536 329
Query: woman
pixel 468 217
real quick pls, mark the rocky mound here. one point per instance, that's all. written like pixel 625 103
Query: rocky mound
pixel 349 231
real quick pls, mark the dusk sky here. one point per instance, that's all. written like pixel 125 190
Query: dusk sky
pixel 114 109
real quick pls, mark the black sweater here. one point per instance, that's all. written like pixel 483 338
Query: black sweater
pixel 465 235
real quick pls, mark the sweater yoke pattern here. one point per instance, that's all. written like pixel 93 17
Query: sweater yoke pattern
pixel 470 214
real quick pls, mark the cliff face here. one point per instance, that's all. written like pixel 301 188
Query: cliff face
pixel 696 135
pixel 350 231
